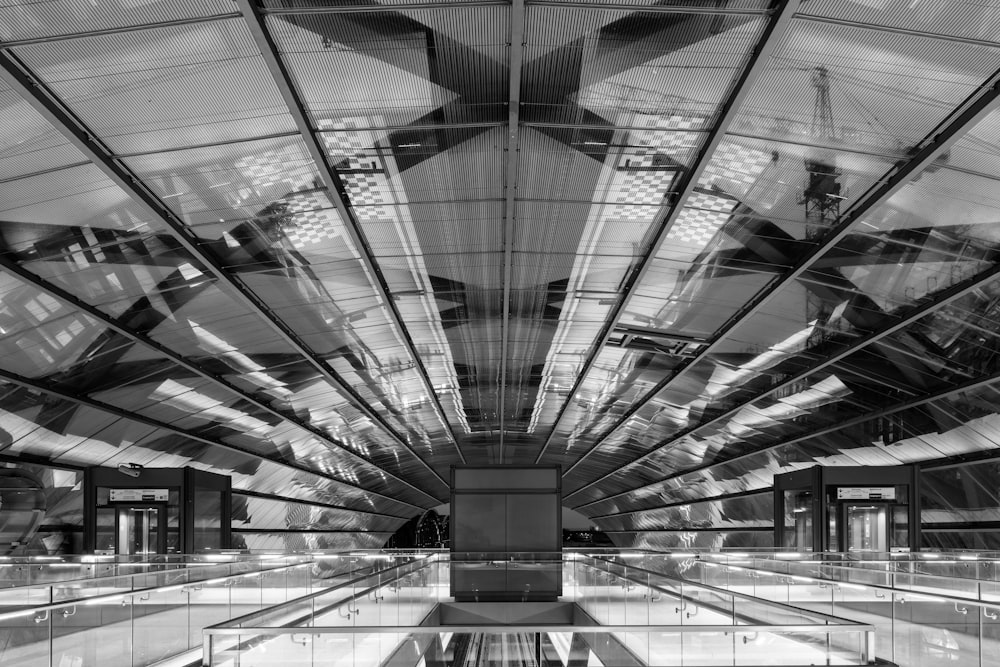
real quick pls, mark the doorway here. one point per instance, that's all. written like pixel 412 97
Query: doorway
pixel 141 529
pixel 865 527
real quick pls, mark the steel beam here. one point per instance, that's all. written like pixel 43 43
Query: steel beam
pixel 23 82
pixel 971 385
pixel 86 401
pixel 972 111
pixel 777 26
pixel 69 299
pixel 516 47
pixel 255 21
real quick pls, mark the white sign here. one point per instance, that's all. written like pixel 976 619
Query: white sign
pixel 139 495
pixel 866 493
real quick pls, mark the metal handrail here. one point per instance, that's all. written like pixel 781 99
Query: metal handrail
pixel 132 593
pixel 716 589
pixel 423 562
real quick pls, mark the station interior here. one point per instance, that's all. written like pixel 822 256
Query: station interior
pixel 553 333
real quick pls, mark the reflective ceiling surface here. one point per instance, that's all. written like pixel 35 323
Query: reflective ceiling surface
pixel 334 248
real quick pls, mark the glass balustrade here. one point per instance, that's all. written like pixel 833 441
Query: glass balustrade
pixel 680 608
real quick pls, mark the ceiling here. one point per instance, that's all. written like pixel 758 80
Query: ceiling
pixel 334 248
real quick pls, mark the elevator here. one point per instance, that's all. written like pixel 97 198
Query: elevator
pixel 851 509
pixel 136 511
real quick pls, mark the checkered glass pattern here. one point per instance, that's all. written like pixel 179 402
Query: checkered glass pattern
pixel 665 136
pixel 734 168
pixel 313 219
pixel 701 219
pixel 361 167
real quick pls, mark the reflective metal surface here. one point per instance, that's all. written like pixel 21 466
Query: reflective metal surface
pixel 333 249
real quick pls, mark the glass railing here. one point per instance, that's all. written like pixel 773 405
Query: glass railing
pixel 612 646
pixel 920 619
pixel 35 570
pixel 717 608
pixel 139 619
pixel 625 618
pixel 401 591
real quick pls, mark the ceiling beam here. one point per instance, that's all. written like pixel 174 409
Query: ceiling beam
pixel 72 301
pixel 255 22
pixel 516 48
pixel 86 401
pixel 939 141
pixel 908 404
pixel 31 89
pixel 774 31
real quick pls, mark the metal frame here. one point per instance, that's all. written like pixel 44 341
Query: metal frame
pixel 971 385
pixel 32 90
pixel 255 22
pixel 36 385
pixel 941 139
pixel 72 301
pixel 514 109
pixel 943 298
pixel 781 19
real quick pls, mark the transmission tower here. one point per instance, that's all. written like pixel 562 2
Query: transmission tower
pixel 821 194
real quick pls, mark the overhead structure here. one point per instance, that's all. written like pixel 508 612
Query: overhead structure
pixel 333 249
pixel 821 195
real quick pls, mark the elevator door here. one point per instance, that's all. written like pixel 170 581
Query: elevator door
pixel 866 527
pixel 141 529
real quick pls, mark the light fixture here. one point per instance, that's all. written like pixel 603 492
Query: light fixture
pixel 130 469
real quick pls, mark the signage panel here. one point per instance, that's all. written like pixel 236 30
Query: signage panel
pixel 138 495
pixel 866 493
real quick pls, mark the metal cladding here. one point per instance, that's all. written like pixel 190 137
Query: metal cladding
pixel 332 249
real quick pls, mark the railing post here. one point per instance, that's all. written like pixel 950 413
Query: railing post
pixel 206 649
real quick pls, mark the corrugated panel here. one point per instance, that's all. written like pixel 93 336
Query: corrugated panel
pixel 396 67
pixel 77 196
pixel 703 5
pixel 971 19
pixel 168 87
pixel 279 541
pixel 886 90
pixel 266 513
pixel 230 182
pixel 30 20
pixel 30 143
pixel 599 61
